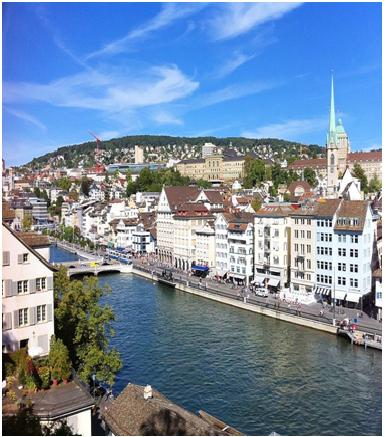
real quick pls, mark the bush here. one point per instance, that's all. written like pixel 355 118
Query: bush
pixel 9 368
pixel 59 359
pixel 44 376
pixel 30 383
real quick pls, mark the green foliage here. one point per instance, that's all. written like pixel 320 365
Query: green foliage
pixel 201 183
pixel 59 359
pixel 286 197
pixel 26 223
pixel 85 326
pixel 255 172
pixel 375 185
pixel 44 376
pixel 310 177
pixel 149 180
pixel 64 183
pixel 273 191
pixel 59 201
pixel 256 204
pixel 9 369
pixel 359 173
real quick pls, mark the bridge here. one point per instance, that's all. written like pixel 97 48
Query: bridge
pixel 75 268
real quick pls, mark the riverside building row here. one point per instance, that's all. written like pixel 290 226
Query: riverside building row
pixel 320 249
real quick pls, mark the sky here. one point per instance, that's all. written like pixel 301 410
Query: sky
pixel 187 69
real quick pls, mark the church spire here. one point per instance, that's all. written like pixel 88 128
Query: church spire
pixel 332 128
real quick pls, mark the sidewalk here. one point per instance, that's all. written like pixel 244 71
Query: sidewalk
pixel 311 311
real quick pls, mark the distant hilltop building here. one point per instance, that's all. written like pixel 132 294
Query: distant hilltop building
pixel 217 168
pixel 208 149
pixel 339 156
pixel 138 155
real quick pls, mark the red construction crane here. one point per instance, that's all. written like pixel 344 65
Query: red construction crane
pixel 97 150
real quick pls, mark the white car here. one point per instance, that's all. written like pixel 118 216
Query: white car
pixel 262 292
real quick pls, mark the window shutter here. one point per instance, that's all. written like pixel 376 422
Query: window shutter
pixel 49 312
pixel 14 288
pixel 32 285
pixel 7 321
pixel 8 291
pixel 32 316
pixel 16 318
pixel 6 258
pixel 20 258
pixel 50 283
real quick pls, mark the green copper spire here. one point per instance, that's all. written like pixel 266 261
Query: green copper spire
pixel 332 129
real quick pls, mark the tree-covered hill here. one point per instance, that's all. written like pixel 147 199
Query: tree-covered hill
pixel 162 148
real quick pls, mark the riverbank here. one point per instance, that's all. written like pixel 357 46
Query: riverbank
pixel 72 248
pixel 273 313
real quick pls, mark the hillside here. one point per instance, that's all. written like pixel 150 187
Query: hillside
pixel 162 148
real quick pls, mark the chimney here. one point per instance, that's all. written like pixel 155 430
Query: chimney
pixel 147 392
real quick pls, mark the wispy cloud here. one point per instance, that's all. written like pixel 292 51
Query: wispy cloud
pixel 26 117
pixel 238 18
pixel 109 90
pixel 233 63
pixel 166 117
pixel 169 13
pixel 235 91
pixel 289 130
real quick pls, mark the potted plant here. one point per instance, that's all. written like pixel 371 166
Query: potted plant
pixel 59 360
pixel 44 376
pixel 55 376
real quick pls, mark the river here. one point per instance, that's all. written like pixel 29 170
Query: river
pixel 255 373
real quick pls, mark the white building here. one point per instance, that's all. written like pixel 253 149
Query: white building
pixel 222 249
pixel 240 244
pixel 377 275
pixel 144 242
pixel 344 250
pixel 208 149
pixel 28 300
pixel 272 246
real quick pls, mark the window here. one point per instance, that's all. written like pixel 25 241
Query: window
pixel 23 317
pixel 22 287
pixel 25 257
pixel 41 314
pixel 302 233
pixel 354 268
pixel 296 233
pixel 354 253
pixel 308 234
pixel 354 238
pixel 341 252
pixel 308 263
pixel 5 258
pixel 354 283
pixel 341 280
pixel 308 248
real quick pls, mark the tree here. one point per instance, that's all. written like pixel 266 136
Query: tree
pixel 255 172
pixel 256 204
pixel 37 192
pixel 84 325
pixel 310 177
pixel 85 185
pixel 359 173
pixel 59 201
pixel 64 183
pixel 26 223
pixel 375 185
pixel 201 183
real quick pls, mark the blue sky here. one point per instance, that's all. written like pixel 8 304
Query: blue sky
pixel 189 69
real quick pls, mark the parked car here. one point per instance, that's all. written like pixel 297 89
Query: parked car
pixel 261 292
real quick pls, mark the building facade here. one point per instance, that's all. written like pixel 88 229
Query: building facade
pixel 28 299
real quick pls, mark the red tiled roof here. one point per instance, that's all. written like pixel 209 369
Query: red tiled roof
pixel 365 156
pixel 312 163
pixel 179 195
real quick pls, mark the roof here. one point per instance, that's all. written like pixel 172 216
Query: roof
pixel 238 226
pixel 178 195
pixel 312 163
pixel 192 161
pixel 33 251
pixel 191 209
pixel 297 184
pixel 214 196
pixel 239 217
pixel 61 400
pixel 365 156
pixel 33 239
pixel 327 207
pixel 131 414
pixel 8 213
pixel 275 211
pixel 351 209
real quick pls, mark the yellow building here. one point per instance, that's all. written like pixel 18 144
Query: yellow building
pixel 214 168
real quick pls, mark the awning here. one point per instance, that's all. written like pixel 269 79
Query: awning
pixel 258 280
pixel 236 275
pixel 200 268
pixel 325 291
pixel 339 294
pixel 273 282
pixel 353 297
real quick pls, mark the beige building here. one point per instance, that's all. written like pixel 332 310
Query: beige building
pixel 206 246
pixel 215 168
pixel 138 155
pixel 303 239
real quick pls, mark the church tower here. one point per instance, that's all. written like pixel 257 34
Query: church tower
pixel 332 150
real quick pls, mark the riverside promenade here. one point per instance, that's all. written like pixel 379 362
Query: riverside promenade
pixel 305 315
